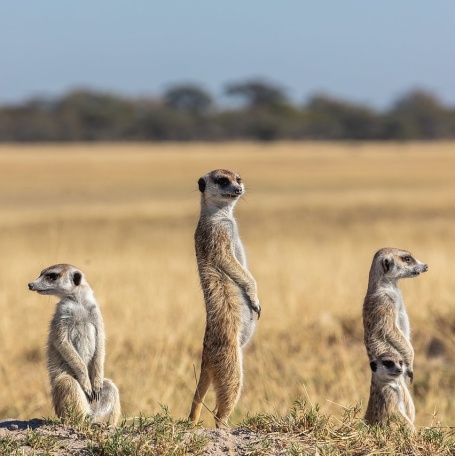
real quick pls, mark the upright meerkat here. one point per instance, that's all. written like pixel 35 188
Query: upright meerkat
pixel 385 321
pixel 229 290
pixel 76 347
pixel 389 394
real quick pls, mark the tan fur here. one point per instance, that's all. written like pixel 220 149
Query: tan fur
pixel 230 294
pixel 76 348
pixel 385 321
pixel 389 394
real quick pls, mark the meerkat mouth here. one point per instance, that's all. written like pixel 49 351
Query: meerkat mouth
pixel 232 195
pixel 396 374
pixel 44 291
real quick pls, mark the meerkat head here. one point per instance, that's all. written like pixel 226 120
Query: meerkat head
pixel 387 367
pixel 395 264
pixel 59 280
pixel 221 186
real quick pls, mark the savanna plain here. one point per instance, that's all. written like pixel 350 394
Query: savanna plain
pixel 311 220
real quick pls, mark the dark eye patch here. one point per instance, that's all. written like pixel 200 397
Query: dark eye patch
pixel 407 259
pixel 239 180
pixel 52 276
pixel 388 364
pixel 222 181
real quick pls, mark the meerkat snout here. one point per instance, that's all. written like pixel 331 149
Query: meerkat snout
pixel 422 268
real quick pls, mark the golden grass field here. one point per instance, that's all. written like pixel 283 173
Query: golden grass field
pixel 313 216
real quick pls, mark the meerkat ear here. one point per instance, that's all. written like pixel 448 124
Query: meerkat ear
pixel 201 183
pixel 77 277
pixel 387 263
pixel 373 366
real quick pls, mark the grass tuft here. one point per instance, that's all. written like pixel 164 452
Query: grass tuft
pixel 44 444
pixel 9 445
pixel 307 430
pixel 156 435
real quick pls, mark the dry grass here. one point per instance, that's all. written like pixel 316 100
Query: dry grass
pixel 311 221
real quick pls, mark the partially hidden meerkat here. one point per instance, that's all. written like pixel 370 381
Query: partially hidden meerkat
pixel 389 394
pixel 229 290
pixel 76 348
pixel 385 320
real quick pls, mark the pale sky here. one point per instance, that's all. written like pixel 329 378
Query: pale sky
pixel 359 50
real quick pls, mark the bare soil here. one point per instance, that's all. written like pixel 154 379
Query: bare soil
pixel 71 442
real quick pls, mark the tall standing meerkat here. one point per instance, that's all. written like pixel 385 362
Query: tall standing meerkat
pixel 76 347
pixel 385 321
pixel 389 394
pixel 229 290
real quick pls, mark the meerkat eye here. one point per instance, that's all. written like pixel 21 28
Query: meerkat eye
pixel 239 180
pixel 223 181
pixel 388 364
pixel 52 276
pixel 407 259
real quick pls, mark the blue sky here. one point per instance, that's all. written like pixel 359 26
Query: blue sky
pixel 360 50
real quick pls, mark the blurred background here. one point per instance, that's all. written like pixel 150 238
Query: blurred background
pixel 205 71
pixel 340 117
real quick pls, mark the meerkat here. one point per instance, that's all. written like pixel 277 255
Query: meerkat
pixel 389 394
pixel 76 348
pixel 385 320
pixel 229 290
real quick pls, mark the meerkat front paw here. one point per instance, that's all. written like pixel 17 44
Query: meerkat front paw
pixel 96 395
pixel 410 374
pixel 256 306
pixel 87 388
pixel 97 387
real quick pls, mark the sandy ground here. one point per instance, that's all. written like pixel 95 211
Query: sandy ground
pixel 71 442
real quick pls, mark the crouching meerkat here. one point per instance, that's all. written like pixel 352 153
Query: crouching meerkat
pixel 229 290
pixel 385 320
pixel 389 395
pixel 76 348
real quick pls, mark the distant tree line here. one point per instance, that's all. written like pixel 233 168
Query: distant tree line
pixel 186 112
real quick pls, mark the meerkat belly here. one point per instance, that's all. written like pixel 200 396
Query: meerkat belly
pixel 403 322
pixel 248 321
pixel 400 400
pixel 228 308
pixel 83 339
pixel 239 253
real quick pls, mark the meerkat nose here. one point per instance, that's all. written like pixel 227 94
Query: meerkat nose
pixel 238 191
pixel 425 267
pixel 30 286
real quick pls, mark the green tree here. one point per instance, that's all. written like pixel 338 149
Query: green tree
pixel 89 115
pixel 258 94
pixel 331 118
pixel 188 98
pixel 419 115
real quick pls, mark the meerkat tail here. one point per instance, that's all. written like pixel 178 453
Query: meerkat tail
pixel 199 396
